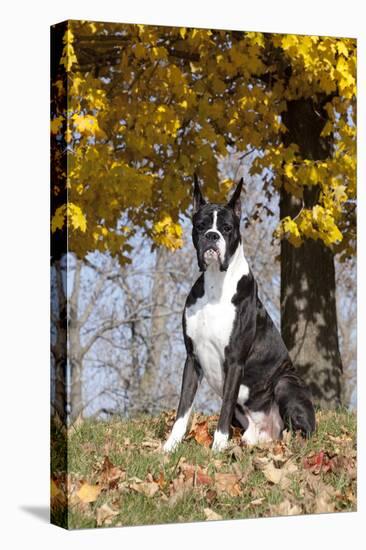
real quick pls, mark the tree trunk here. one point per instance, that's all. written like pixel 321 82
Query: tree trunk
pixel 148 382
pixel 75 350
pixel 308 298
pixel 59 349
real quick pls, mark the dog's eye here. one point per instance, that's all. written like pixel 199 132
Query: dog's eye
pixel 227 228
pixel 200 227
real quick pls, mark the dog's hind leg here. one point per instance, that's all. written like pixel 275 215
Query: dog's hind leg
pixel 294 403
pixel 240 419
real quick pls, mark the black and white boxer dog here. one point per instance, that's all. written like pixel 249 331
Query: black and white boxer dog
pixel 232 341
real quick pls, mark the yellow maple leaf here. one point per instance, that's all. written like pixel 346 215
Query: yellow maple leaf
pixel 76 217
pixel 85 123
pixel 56 124
pixel 289 171
pixel 288 229
pixel 68 53
pixel 168 233
pixel 58 219
pixel 289 41
pixel 342 48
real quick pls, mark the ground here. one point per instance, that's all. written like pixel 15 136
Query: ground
pixel 119 476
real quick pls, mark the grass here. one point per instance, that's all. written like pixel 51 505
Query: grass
pixel 322 478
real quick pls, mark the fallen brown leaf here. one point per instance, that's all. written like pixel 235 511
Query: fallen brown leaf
pixel 228 483
pixel 178 488
pixel 160 480
pixel 110 475
pixel 88 493
pixel 105 514
pixel 211 496
pixel 147 488
pixel 211 514
pixel 277 476
pixel 201 434
pixel 257 501
pixel 151 444
pixel 323 504
pixel 196 473
pixel 285 508
pixel 236 452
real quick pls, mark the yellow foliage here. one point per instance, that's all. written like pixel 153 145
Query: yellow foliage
pixel 288 229
pixel 86 124
pixel 56 124
pixel 168 233
pixel 68 53
pixel 70 214
pixel 136 130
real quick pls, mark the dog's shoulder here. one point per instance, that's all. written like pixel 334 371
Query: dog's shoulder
pixel 196 292
pixel 246 289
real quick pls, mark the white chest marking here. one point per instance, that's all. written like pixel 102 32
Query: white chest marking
pixel 209 322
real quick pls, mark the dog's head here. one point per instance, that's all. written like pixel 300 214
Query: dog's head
pixel 216 229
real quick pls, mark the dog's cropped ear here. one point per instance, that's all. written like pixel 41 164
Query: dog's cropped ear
pixel 235 202
pixel 198 199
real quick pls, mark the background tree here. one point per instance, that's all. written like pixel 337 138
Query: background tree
pixel 149 105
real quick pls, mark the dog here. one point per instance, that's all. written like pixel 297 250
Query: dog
pixel 232 341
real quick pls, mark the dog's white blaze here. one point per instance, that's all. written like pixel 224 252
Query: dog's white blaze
pixel 178 432
pixel 221 243
pixel 209 322
pixel 263 427
pixel 220 441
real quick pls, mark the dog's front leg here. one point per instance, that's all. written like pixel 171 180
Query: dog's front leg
pixel 191 377
pixel 230 396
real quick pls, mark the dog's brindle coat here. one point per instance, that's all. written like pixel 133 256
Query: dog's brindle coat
pixel 231 339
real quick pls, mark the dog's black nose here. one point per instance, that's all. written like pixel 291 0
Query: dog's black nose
pixel 212 236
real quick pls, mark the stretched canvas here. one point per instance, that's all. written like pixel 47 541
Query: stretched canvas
pixel 263 127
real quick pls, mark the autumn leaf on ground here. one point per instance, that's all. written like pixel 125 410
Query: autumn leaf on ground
pixel 277 476
pixel 196 474
pixel 201 434
pixel 319 462
pixel 210 515
pixel 236 434
pixel 256 501
pixel 211 496
pixel 160 480
pixel 105 514
pixel 236 452
pixel 151 444
pixel 324 502
pixel 58 496
pixel 149 488
pixel 88 493
pixel 178 488
pixel 285 508
pixel 110 475
pixel 228 483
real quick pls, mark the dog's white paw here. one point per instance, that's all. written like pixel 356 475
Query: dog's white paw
pixel 171 444
pixel 220 442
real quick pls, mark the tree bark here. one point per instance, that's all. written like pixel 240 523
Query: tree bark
pixel 75 349
pixel 148 382
pixel 308 297
pixel 59 349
